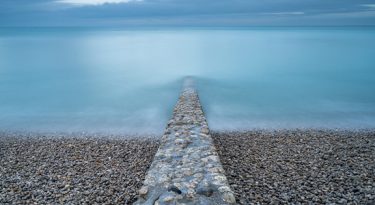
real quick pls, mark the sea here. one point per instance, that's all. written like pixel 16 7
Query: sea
pixel 127 80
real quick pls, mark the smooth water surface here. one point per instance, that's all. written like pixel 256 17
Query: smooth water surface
pixel 127 81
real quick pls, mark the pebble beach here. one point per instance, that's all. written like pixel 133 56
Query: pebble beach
pixel 299 166
pixel 73 169
pixel 262 167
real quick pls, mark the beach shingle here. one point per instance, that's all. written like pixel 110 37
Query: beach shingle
pixel 299 166
pixel 73 170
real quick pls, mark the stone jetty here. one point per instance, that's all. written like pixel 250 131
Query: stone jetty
pixel 186 168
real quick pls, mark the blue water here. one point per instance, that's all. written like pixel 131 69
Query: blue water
pixel 127 81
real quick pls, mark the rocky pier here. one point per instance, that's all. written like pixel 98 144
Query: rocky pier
pixel 186 168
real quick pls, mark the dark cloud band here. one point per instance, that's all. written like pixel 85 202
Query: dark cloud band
pixel 186 12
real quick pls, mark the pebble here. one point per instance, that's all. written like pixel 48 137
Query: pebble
pixel 143 191
pixel 65 169
pixel 299 166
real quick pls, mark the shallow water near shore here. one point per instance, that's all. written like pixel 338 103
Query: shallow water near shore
pixel 127 81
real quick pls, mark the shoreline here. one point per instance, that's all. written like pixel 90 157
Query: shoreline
pixel 76 135
pixel 86 134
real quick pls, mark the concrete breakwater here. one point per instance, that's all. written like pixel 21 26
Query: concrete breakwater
pixel 186 169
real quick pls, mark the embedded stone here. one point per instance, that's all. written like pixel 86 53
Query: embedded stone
pixel 205 130
pixel 175 189
pixel 143 191
pixel 224 189
pixel 206 191
pixel 168 198
pixel 229 198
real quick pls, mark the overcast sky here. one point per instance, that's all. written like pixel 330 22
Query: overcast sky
pixel 186 12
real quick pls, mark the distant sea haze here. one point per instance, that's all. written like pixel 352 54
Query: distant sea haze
pixel 127 81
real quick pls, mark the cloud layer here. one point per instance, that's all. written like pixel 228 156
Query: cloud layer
pixel 93 2
pixel 185 12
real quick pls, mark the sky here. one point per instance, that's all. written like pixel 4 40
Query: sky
pixel 26 13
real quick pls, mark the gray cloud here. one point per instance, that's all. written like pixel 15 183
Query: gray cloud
pixel 188 12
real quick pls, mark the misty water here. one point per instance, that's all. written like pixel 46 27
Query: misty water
pixel 127 81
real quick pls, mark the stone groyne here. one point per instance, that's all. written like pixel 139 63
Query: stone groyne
pixel 186 169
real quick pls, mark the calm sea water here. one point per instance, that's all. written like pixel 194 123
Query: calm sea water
pixel 127 81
